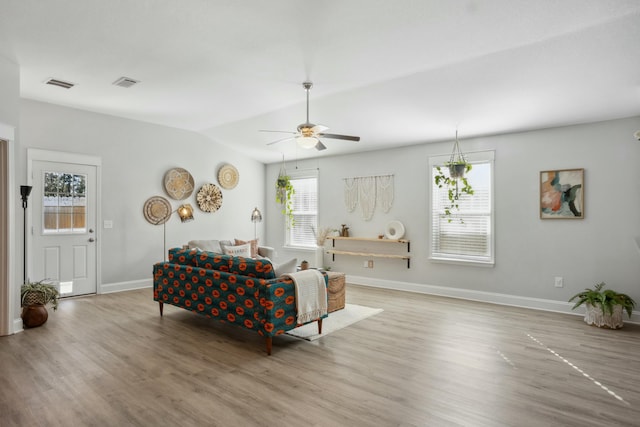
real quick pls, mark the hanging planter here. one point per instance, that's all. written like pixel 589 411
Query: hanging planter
pixel 458 164
pixel 284 194
pixel 455 181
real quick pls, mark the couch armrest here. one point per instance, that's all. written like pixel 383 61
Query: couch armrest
pixel 267 252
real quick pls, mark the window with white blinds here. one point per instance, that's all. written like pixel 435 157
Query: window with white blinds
pixel 467 234
pixel 305 213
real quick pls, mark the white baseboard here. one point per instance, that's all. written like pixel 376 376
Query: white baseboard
pixel 18 326
pixel 473 295
pixel 125 286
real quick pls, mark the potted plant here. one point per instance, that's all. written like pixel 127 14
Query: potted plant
pixel 34 296
pixel 284 195
pixel 456 186
pixel 603 308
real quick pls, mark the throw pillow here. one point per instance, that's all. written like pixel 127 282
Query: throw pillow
pixel 286 267
pixel 206 245
pixel 253 243
pixel 240 250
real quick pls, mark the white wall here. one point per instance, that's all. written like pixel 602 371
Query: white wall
pixel 135 157
pixel 529 252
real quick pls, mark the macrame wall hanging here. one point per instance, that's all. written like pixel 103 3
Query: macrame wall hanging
pixel 367 192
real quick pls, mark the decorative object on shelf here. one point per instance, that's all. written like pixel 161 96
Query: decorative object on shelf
pixel 284 194
pixel 344 232
pixel 562 194
pixel 178 183
pixel 321 239
pixel 25 190
pixel 603 308
pixel 34 296
pixel 394 230
pixel 369 192
pixel 455 180
pixel 156 210
pixel 256 217
pixel 228 177
pixel 209 198
pixel 304 265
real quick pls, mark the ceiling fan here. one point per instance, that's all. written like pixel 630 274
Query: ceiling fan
pixel 308 134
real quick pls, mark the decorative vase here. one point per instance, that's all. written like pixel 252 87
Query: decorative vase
pixel 595 317
pixel 34 315
pixel 319 263
pixel 304 265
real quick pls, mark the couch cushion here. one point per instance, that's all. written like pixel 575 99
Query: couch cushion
pixel 183 256
pixel 206 245
pixel 262 269
pixel 286 267
pixel 212 261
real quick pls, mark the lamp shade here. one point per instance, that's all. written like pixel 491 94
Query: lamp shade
pixel 307 141
pixel 256 215
pixel 185 212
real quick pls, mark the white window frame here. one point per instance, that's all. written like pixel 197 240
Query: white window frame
pixel 288 230
pixel 434 255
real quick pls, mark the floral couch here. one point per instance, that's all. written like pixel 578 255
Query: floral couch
pixel 241 291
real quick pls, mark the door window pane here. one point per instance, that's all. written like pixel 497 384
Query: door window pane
pixel 64 203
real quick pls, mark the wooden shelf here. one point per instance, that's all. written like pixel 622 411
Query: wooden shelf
pixel 335 252
pixel 369 239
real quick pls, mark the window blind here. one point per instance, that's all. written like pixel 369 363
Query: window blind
pixel 305 212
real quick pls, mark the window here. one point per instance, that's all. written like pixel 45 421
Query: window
pixel 467 234
pixel 305 213
pixel 64 204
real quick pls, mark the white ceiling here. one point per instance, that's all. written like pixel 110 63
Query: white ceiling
pixel 395 72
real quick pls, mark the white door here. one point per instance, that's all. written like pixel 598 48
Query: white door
pixel 63 202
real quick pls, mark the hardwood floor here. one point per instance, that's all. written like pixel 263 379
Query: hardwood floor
pixel 111 360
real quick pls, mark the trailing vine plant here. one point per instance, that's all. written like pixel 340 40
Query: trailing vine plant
pixel 284 196
pixel 456 184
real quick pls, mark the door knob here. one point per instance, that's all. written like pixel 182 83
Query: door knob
pixel 91 230
pixel 91 239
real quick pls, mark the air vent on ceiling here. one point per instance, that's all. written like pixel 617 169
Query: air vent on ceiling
pixel 61 83
pixel 125 82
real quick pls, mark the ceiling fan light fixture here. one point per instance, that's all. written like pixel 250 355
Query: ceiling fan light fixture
pixel 307 141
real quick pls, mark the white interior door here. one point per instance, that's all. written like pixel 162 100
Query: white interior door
pixel 63 201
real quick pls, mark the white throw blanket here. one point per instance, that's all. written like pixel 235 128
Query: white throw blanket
pixel 311 294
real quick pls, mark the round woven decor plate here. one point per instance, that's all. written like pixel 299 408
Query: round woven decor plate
pixel 178 183
pixel 209 198
pixel 228 176
pixel 157 210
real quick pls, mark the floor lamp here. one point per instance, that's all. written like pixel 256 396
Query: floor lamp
pixel 256 217
pixel 185 212
pixel 25 190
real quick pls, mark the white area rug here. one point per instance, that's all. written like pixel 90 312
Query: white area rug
pixel 350 314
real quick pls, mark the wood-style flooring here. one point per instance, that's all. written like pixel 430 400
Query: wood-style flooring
pixel 111 360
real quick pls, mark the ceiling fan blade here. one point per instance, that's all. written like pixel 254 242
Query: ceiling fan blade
pixel 336 136
pixel 320 146
pixel 281 140
pixel 319 128
pixel 278 131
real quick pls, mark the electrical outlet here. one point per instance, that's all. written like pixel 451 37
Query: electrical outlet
pixel 559 282
pixel 370 264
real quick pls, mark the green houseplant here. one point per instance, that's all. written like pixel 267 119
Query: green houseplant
pixel 33 298
pixel 284 196
pixel 455 185
pixel 603 307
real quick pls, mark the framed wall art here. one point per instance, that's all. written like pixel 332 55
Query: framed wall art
pixel 562 194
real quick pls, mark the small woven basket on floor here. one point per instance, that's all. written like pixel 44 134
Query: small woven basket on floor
pixel 33 298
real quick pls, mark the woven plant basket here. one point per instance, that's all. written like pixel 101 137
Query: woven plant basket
pixel 595 317
pixel 33 298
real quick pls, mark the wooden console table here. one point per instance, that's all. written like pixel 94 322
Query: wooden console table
pixel 335 252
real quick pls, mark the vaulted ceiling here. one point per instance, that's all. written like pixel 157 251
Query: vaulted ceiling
pixel 393 72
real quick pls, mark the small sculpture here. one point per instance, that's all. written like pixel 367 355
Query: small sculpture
pixel 345 231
